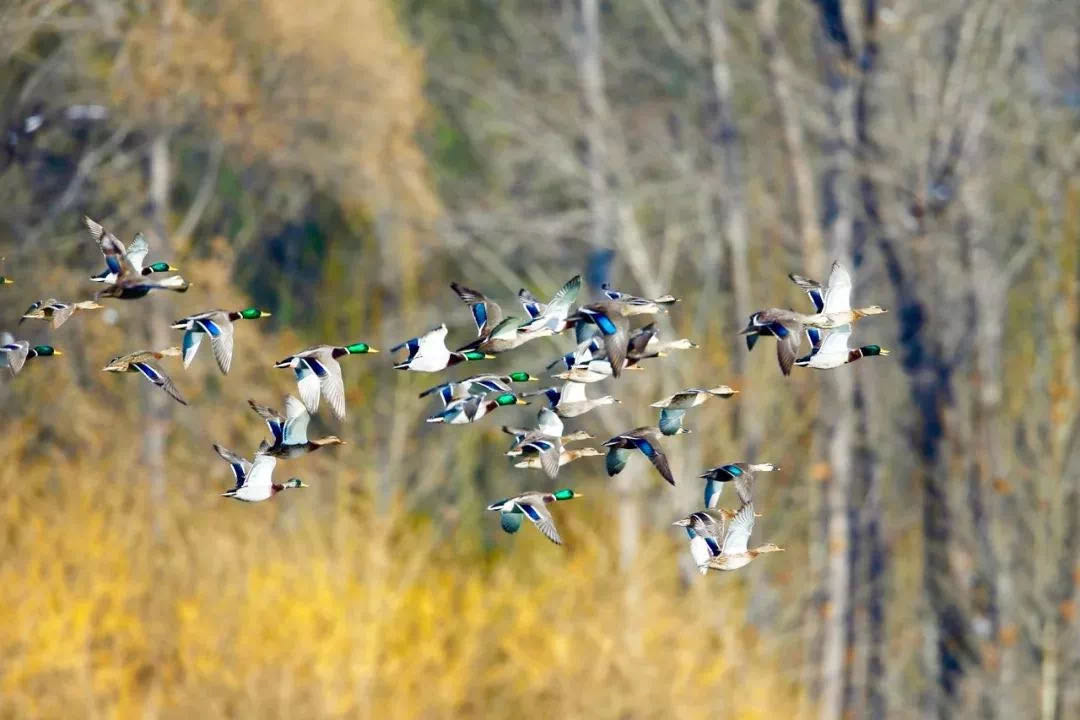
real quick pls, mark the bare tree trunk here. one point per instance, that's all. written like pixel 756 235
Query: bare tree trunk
pixel 158 404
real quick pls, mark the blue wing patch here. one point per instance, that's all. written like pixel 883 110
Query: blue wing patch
pixel 605 324
pixel 112 263
pixel 530 511
pixel 712 493
pixel 479 313
pixel 148 371
pixel 533 309
pixel 447 393
pixel 732 470
pixel 815 297
pixel 316 367
pixel 209 327
pixel 815 337
pixel 714 548
pixel 778 329
pixel 646 447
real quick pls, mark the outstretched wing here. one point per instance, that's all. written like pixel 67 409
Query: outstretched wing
pixel 838 294
pixel 549 450
pixel 656 456
pixel 307 383
pixel 671 420
pixel 532 306
pixel 111 247
pixel 192 340
pixel 221 340
pixel 812 288
pixel 262 472
pixel 273 419
pixel 328 372
pixel 541 518
pixel 137 251
pixel 297 418
pixel 485 311
pixel 241 468
pixel 160 379
pixel 616 460
pixel 738 532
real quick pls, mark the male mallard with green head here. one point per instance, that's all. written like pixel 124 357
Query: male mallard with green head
pixel 14 353
pixel 254 480
pixel 218 326
pixel 533 505
pixel 318 373
pixel 477 385
pixel 473 408
pixel 428 353
pixel 116 254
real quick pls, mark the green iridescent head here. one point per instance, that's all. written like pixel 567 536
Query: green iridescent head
pixel 475 355
pixel 253 313
pixel 5 281
pixel 508 399
pixel 295 483
pixel 870 350
pixel 360 349
pixel 45 351
pixel 565 494
pixel 520 377
pixel 161 267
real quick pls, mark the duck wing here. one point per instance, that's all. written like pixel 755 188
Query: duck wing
pixel 671 420
pixel 273 419
pixel 160 379
pixel 241 468
pixel 838 294
pixel 294 432
pixel 14 353
pixel 137 251
pixel 738 531
pixel 541 517
pixel 332 386
pixel 307 384
pixel 485 311
pixel 220 329
pixel 111 247
pixel 651 449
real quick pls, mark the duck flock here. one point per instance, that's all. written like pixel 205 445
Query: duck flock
pixel 606 346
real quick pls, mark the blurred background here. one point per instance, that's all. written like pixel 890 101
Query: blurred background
pixel 339 163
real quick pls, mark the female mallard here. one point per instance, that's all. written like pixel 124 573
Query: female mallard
pixel 785 325
pixel 318 372
pixel 140 362
pixel 741 473
pixel 14 353
pixel 254 480
pixel 55 310
pixel 485 311
pixel 674 407
pixel 733 551
pixel 218 324
pixel 519 433
pixel 565 457
pixel 634 305
pixel 570 401
pixel 646 342
pixel 532 504
pixel 290 431
pixel 706 533
pixel 645 439
pixel 477 385
pixel 428 353
pixel 116 254
pixel 472 408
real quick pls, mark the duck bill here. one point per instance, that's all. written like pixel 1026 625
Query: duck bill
pixel 57 353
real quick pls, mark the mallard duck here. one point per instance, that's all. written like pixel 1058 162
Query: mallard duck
pixel 485 311
pixel 785 326
pixel 832 351
pixel 545 441
pixel 290 431
pixel 504 336
pixel 518 433
pixel 218 324
pixel 634 305
pixel 552 318
pixel 472 408
pixel 645 439
pixel 565 457
pixel 477 385
pixel 6 280
pixel 741 473
pixel 569 400
pixel 593 371
pixel 428 353
pixel 733 551
pixel 706 531
pixel 140 362
pixel 116 255
pixel 318 372
pixel 610 319
pixel 254 480
pixel 646 342
pixel 532 504
pixel 55 310
pixel 674 407
pixel 14 353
